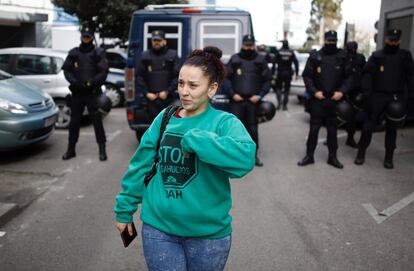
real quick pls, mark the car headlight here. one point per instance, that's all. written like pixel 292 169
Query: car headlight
pixel 12 107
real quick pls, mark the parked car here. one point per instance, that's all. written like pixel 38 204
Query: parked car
pixel 42 67
pixel 187 27
pixel 27 114
pixel 117 63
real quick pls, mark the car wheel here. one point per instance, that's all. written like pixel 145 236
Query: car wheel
pixel 63 119
pixel 113 93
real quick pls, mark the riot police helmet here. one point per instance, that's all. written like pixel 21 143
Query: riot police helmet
pixel 344 112
pixel 265 111
pixel 102 104
pixel 358 101
pixel 395 114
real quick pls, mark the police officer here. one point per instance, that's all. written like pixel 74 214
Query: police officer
pixel 250 79
pixel 326 78
pixel 86 69
pixel 157 73
pixel 284 59
pixel 386 75
pixel 270 57
pixel 355 62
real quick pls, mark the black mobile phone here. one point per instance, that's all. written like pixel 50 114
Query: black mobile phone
pixel 126 238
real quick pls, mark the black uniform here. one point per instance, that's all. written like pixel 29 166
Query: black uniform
pixel 386 76
pixel 249 76
pixel 284 59
pixel 86 69
pixel 157 71
pixel 269 56
pixel 355 63
pixel 325 71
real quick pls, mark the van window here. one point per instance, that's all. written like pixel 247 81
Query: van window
pixel 405 24
pixel 33 64
pixel 173 34
pixel 224 35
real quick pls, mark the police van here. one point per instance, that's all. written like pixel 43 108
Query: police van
pixel 186 27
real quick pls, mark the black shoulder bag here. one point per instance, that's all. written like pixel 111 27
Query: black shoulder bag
pixel 169 111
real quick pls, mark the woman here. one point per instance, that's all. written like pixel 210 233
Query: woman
pixel 185 208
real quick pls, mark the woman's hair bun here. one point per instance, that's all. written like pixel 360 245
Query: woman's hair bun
pixel 213 51
pixel 208 59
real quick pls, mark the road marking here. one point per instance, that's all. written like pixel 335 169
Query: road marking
pixel 113 135
pixel 380 217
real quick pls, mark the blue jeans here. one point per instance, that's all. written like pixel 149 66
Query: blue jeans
pixel 164 251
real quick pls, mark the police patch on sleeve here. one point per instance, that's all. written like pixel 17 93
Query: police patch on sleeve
pixel 176 170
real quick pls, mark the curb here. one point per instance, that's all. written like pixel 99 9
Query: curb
pixel 7 211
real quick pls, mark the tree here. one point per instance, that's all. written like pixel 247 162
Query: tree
pixel 110 18
pixel 325 15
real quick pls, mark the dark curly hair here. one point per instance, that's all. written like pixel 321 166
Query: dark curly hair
pixel 208 59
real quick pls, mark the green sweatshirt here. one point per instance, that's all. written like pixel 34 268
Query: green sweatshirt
pixel 190 195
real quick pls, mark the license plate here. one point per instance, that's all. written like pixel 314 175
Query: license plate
pixel 50 121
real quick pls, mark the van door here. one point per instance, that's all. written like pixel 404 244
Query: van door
pixel 224 34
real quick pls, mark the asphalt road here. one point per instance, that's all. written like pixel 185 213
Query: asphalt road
pixel 284 217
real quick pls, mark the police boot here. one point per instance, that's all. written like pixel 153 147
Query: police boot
pixel 278 106
pixel 351 142
pixel 388 159
pixel 284 107
pixel 102 152
pixel 360 158
pixel 307 160
pixel 257 162
pixel 333 161
pixel 70 153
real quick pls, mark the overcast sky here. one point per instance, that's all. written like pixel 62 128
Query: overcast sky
pixel 268 15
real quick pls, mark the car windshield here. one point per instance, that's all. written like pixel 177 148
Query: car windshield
pixel 4 75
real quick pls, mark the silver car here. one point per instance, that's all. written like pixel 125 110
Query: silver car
pixel 42 67
pixel 27 114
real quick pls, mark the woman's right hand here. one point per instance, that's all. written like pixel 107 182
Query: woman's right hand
pixel 121 227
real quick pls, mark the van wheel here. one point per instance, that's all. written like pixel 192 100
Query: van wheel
pixel 113 93
pixel 63 119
